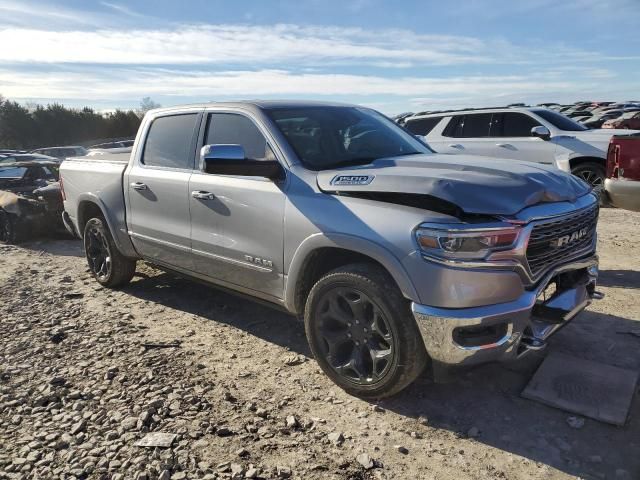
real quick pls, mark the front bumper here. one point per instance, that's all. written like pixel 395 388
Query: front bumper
pixel 506 331
pixel 623 193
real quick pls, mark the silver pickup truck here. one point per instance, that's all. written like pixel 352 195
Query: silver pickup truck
pixel 396 257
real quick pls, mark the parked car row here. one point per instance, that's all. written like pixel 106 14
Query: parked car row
pixel 534 134
pixel 603 114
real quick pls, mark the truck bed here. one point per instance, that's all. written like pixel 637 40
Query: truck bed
pixel 97 179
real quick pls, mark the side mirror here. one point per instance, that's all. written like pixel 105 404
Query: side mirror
pixel 541 132
pixel 231 160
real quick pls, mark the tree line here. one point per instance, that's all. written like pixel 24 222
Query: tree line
pixel 34 126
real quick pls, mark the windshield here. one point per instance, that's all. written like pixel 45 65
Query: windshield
pixel 560 121
pixel 629 115
pixel 328 137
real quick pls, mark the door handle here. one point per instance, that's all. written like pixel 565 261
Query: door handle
pixel 455 145
pixel 139 186
pixel 201 195
pixel 504 145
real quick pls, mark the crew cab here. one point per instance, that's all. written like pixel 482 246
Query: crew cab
pixel 395 257
pixel 525 133
pixel 622 185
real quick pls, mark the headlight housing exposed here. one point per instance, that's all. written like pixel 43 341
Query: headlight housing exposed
pixel 465 244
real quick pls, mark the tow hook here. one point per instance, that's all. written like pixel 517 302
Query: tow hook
pixel 533 343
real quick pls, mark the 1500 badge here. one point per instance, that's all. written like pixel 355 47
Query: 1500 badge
pixel 352 180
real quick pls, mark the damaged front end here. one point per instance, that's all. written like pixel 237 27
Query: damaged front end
pixel 30 203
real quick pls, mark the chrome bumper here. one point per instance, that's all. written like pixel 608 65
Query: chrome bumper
pixel 623 193
pixel 506 331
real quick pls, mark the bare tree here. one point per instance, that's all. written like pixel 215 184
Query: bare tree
pixel 147 104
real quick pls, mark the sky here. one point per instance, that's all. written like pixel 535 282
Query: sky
pixel 395 56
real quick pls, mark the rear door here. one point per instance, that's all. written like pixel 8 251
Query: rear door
pixel 511 138
pixel 237 230
pixel 468 133
pixel 157 186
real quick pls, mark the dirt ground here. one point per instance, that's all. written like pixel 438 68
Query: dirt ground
pixel 78 387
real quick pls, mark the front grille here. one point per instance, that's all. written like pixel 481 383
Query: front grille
pixel 543 251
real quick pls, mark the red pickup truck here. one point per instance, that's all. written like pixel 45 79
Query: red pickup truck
pixel 622 184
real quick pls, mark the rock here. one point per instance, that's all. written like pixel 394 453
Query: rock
pixel 377 408
pixel 473 432
pixel 57 381
pixel 237 471
pixel 283 472
pixel 575 422
pixel 337 438
pixel 129 423
pixel 365 460
pixel 293 359
pixel 416 435
pixel 179 476
pixel 291 421
pixel 57 336
pixel 423 420
pixel 165 475
pixel 242 452
pixel 224 431
pixel 79 427
pixel 228 396
pixel 252 472
pixel 401 449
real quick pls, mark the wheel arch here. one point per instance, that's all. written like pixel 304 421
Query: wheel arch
pixel 322 253
pixel 90 206
pixel 582 159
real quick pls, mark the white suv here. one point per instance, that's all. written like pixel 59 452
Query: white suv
pixel 532 134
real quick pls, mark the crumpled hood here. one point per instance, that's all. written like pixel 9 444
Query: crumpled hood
pixel 477 185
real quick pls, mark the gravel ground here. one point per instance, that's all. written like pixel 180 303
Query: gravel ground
pixel 86 372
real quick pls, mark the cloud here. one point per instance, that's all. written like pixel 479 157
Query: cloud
pixel 238 43
pixel 135 83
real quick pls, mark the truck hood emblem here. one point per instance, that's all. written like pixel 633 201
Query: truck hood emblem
pixel 352 180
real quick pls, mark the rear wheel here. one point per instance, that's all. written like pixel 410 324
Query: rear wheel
pixel 592 173
pixel 108 266
pixel 8 231
pixel 362 333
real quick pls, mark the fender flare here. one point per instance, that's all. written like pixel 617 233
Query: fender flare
pixel 563 161
pixel 347 242
pixel 120 235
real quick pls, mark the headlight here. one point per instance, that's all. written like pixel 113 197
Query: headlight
pixel 465 245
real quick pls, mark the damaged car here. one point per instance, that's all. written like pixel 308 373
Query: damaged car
pixel 397 258
pixel 30 201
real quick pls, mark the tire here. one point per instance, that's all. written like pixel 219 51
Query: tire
pixel 592 173
pixel 9 231
pixel 107 265
pixel 354 313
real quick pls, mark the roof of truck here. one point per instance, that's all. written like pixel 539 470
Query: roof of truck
pixel 264 104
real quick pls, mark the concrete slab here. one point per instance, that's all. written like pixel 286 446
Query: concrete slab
pixel 588 388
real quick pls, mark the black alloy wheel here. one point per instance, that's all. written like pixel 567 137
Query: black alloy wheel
pixel 357 338
pixel 98 253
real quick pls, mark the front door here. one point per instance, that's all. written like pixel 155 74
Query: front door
pixel 237 222
pixel 511 135
pixel 158 191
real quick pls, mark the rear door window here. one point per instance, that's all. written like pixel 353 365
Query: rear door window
pixel 514 124
pixel 169 142
pixel 471 125
pixel 422 126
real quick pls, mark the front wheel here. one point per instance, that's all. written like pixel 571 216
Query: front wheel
pixel 362 333
pixel 9 233
pixel 592 173
pixel 108 266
